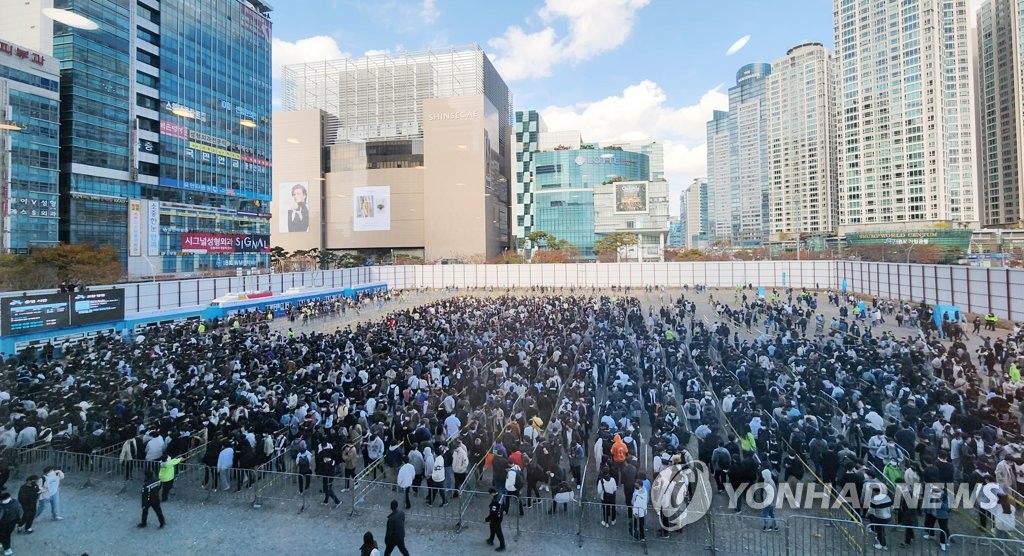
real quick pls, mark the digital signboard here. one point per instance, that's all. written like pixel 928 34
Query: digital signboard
pixel 41 313
pixel 34 313
pixel 94 307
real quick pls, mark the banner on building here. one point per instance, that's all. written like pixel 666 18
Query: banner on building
pixel 207 243
pixel 153 226
pixel 371 208
pixel 135 227
pixel 631 197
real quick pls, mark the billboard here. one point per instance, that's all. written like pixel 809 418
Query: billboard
pixel 631 197
pixel 371 208
pixel 34 313
pixel 205 243
pixel 94 307
pixel 153 227
pixel 293 206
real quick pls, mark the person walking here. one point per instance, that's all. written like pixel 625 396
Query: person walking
pixel 326 470
pixel 494 516
pixel 166 476
pixel 879 514
pixel 10 515
pixel 938 514
pixel 394 536
pixel 28 497
pixel 151 488
pixel 50 492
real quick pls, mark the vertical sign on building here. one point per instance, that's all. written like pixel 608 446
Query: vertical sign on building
pixel 153 227
pixel 135 227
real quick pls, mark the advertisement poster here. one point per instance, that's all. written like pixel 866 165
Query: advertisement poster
pixel 630 197
pixel 293 206
pixel 205 243
pixel 135 227
pixel 371 208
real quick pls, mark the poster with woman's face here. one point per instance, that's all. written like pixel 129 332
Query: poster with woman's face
pixel 293 207
pixel 371 208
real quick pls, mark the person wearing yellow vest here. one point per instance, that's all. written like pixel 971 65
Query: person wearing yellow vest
pixel 1014 372
pixel 166 475
pixel 202 327
pixel 990 321
pixel 237 324
pixel 748 444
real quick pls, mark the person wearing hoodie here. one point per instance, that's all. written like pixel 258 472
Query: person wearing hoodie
pixel 435 483
pixel 304 463
pixel 374 451
pixel 768 511
pixel 638 509
pixel 10 515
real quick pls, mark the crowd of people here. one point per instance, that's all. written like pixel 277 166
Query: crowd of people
pixel 533 388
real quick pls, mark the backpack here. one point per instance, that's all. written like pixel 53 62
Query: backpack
pixel 510 480
pixel 304 465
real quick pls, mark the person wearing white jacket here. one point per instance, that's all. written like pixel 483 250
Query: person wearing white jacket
pixel 639 503
pixel 405 475
pixel 460 465
pixel 436 482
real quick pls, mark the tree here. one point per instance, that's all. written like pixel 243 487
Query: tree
pixel 48 267
pixel 278 256
pixel 539 239
pixel 614 242
pixel 508 257
pixel 550 257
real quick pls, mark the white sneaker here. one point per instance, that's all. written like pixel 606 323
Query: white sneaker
pixel 8 552
pixel 943 547
pixel 604 524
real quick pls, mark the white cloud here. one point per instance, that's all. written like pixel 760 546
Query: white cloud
pixel 310 49
pixel 642 112
pixel 738 45
pixel 429 12
pixel 594 28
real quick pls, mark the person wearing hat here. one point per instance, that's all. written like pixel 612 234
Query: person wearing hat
pixel 495 512
pixel 151 488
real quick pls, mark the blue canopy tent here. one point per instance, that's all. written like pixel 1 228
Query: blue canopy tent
pixel 953 312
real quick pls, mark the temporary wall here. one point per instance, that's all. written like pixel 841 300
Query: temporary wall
pixel 975 290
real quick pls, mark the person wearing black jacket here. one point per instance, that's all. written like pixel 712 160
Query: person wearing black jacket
pixel 28 497
pixel 394 536
pixel 494 516
pixel 151 499
pixel 326 469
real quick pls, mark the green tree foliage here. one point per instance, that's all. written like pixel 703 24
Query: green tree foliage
pixel 48 267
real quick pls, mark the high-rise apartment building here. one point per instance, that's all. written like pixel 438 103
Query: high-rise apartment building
pixel 738 161
pixel 801 144
pixel 418 147
pixel 906 141
pixel 1000 110
pixel 165 129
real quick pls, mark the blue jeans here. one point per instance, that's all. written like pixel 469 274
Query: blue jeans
pixel 768 517
pixel 54 502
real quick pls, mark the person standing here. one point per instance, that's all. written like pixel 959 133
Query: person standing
pixel 369 547
pixel 28 497
pixel 639 507
pixel 151 488
pixel 394 536
pixel 326 470
pixel 167 467
pixel 494 516
pixel 50 491
pixel 10 515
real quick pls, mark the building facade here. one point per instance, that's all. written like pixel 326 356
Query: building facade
pixel 801 144
pixel 165 130
pixel 697 222
pixel 29 148
pixel 417 164
pixel 639 208
pixel 738 161
pixel 906 142
pixel 999 111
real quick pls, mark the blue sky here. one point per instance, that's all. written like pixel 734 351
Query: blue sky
pixel 614 69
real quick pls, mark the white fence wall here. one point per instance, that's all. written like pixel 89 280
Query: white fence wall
pixel 974 290
pixel 804 274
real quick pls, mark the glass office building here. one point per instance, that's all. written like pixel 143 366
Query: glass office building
pixel 29 148
pixel 563 189
pixel 165 132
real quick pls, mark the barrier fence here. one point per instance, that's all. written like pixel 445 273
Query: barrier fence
pixel 728 534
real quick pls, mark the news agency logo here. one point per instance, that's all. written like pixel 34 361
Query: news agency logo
pixel 681 494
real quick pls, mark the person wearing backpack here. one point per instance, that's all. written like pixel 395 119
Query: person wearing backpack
pixel 514 482
pixel 10 515
pixel 304 464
